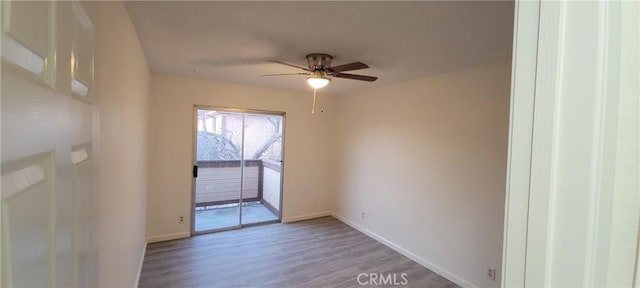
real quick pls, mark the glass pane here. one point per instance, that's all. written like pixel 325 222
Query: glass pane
pixel 262 160
pixel 218 154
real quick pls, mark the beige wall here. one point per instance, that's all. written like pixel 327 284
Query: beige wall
pixel 426 161
pixel 122 90
pixel 308 165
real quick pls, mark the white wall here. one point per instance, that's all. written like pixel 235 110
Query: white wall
pixel 122 83
pixel 307 167
pixel 426 161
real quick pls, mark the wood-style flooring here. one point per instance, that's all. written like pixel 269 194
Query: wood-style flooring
pixel 322 252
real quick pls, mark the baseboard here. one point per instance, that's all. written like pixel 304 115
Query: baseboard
pixel 167 237
pixel 306 216
pixel 440 271
pixel 144 251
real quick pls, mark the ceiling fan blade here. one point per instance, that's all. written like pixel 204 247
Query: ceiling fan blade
pixel 290 65
pixel 355 77
pixel 349 67
pixel 287 74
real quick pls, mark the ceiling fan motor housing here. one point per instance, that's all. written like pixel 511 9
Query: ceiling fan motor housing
pixel 319 61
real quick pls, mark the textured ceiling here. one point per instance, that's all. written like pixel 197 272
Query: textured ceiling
pixel 232 41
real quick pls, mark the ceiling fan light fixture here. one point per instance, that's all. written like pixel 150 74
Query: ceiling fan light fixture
pixel 320 68
pixel 318 82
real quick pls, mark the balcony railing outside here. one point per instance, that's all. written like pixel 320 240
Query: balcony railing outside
pixel 219 181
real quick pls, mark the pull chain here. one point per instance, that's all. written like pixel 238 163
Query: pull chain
pixel 313 108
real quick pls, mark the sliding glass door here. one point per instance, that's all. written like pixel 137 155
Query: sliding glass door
pixel 237 168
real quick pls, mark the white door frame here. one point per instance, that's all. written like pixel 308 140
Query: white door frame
pixel 572 204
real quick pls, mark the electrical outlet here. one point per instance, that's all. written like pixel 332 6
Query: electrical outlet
pixel 181 219
pixel 363 215
pixel 491 273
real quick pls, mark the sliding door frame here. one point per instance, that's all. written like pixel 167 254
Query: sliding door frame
pixel 195 162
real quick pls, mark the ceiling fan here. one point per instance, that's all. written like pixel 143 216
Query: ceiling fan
pixel 320 69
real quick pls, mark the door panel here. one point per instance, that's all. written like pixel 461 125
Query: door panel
pixel 218 157
pixel 26 232
pixel 26 31
pixel 262 153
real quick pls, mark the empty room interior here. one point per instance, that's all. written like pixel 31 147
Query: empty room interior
pixel 320 144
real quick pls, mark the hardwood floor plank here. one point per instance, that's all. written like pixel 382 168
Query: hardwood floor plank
pixel 322 252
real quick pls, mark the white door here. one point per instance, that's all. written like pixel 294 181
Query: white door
pixel 47 209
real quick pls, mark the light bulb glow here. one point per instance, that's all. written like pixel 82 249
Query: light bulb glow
pixel 318 82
